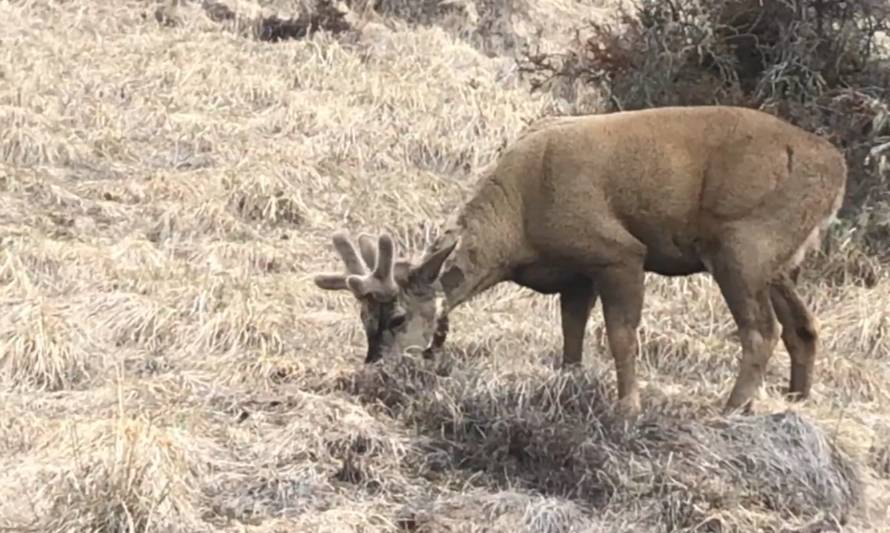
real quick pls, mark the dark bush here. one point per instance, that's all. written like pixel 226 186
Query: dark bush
pixel 324 16
pixel 485 24
pixel 816 63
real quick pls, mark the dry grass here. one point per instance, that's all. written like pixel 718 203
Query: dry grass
pixel 166 364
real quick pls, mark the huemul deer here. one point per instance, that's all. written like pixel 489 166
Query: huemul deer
pixel 583 206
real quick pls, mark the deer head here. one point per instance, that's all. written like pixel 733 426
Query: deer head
pixel 397 299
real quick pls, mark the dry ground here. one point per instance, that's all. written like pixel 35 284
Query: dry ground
pixel 166 364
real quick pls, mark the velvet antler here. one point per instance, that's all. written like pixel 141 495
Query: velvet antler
pixel 369 270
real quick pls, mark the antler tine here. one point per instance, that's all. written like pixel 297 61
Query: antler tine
pixel 360 278
pixel 385 257
pixel 331 282
pixel 347 252
pixel 368 250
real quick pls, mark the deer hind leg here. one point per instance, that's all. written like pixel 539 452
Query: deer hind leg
pixel 575 303
pixel 747 295
pixel 799 334
pixel 621 290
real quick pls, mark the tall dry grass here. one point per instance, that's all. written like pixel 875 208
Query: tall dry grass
pixel 166 364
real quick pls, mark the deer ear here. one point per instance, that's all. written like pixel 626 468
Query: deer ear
pixel 428 271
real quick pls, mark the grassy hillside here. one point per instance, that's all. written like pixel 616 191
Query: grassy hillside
pixel 168 187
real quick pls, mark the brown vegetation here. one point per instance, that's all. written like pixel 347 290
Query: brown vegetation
pixel 166 363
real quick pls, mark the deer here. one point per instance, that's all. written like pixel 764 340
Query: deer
pixel 583 206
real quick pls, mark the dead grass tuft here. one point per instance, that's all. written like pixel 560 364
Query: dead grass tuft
pixel 556 433
pixel 18 434
pixel 181 222
pixel 498 512
pixel 42 347
pixel 128 476
pixel 880 453
pixel 265 199
pixel 127 319
pixel 234 318
pixel 29 139
pixel 315 448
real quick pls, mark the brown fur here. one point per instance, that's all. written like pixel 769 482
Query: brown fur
pixel 583 206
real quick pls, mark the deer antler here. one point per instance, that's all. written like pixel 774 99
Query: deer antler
pixel 369 270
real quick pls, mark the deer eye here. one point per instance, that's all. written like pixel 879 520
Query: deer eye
pixel 397 320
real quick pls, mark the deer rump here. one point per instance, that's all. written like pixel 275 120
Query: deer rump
pixel 673 184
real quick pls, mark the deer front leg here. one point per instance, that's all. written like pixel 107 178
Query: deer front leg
pixel 621 290
pixel 575 303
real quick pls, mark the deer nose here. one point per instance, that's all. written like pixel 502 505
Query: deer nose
pixel 373 354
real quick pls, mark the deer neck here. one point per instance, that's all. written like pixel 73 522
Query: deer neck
pixel 488 230
pixel 467 273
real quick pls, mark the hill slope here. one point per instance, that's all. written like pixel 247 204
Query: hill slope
pixel 166 363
